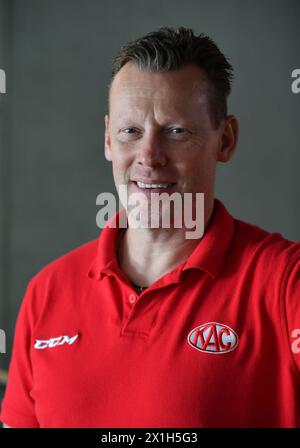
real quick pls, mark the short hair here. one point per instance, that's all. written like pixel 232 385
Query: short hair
pixel 169 49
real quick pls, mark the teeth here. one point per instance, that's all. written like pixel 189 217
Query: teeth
pixel 142 185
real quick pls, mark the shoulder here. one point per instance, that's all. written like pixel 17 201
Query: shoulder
pixel 67 272
pixel 74 261
pixel 270 249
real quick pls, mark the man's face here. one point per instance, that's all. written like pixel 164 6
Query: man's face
pixel 159 131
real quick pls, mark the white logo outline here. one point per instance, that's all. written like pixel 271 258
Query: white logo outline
pixel 41 344
pixel 211 352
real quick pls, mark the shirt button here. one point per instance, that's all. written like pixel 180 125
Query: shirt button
pixel 132 298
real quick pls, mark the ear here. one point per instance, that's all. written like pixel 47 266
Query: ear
pixel 228 138
pixel 107 143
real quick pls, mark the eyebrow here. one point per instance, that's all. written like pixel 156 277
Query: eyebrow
pixel 176 120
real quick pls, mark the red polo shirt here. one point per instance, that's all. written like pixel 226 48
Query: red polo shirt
pixel 213 343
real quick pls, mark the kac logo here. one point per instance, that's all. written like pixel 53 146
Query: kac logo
pixel 214 338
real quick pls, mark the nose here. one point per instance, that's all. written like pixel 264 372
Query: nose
pixel 151 152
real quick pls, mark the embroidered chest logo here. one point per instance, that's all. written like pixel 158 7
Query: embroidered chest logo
pixel 53 342
pixel 213 337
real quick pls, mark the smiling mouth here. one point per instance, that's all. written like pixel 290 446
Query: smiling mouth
pixel 156 185
pixel 153 185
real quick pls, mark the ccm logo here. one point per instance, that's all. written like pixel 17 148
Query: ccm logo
pixel 53 342
pixel 214 338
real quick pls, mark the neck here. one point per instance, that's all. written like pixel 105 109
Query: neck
pixel 146 254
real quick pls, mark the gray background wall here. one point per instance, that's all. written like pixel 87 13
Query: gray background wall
pixel 57 56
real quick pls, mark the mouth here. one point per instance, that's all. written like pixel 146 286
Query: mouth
pixel 153 187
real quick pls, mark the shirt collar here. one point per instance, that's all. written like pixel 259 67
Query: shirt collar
pixel 208 255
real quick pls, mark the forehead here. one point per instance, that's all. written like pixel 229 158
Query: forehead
pixel 132 87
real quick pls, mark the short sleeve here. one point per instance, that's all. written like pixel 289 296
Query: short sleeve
pixel 291 295
pixel 17 408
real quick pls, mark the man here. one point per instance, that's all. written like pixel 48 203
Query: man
pixel 145 327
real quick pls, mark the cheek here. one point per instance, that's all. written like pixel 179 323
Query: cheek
pixel 199 171
pixel 121 155
pixel 120 166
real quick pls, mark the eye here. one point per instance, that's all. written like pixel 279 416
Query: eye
pixel 178 134
pixel 128 129
pixel 181 130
